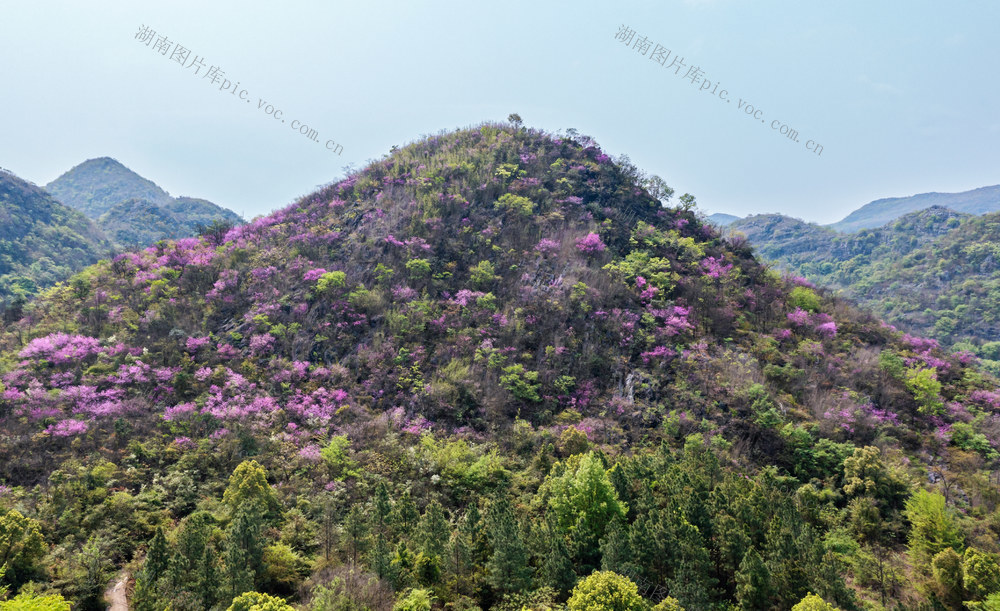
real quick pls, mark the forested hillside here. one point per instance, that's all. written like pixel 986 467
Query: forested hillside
pixel 41 241
pixel 496 369
pixel 932 272
pixel 131 210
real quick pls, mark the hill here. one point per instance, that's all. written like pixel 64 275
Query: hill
pixel 721 220
pixel 882 211
pixel 96 185
pixel 41 241
pixel 929 272
pixel 130 209
pixel 137 222
pixel 480 370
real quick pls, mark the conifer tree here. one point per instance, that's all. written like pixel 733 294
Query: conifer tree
pixel 753 582
pixel 507 568
pixel 433 530
pixel 356 531
pixel 244 551
pixel 557 566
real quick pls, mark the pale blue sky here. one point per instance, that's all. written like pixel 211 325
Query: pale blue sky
pixel 903 97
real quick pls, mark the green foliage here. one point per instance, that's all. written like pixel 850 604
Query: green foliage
pixel 865 473
pixel 244 551
pixel 948 577
pixel 331 280
pixel 933 529
pixel 753 582
pixel 42 242
pixel 762 409
pixel 415 600
pixel 34 602
pixel 668 604
pixel 805 298
pixel 482 274
pixel 337 460
pixel 256 601
pixel 515 204
pixel 656 270
pixel 605 591
pixel 418 268
pixel 813 602
pixel 573 441
pixel 981 573
pixel 521 383
pixel 891 363
pixel 248 484
pixel 926 389
pixel 583 501
pixel 21 547
pixel 966 437
pixel 507 567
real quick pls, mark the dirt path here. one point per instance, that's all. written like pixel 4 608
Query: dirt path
pixel 117 595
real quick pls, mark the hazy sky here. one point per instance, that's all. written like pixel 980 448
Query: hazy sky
pixel 902 97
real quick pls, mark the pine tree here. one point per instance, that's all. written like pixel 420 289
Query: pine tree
pixel 433 530
pixel 507 568
pixel 192 538
pixel 616 553
pixel 381 558
pixel 403 563
pixel 460 554
pixel 753 582
pixel 473 528
pixel 383 507
pixel 654 545
pixel 157 558
pixel 406 513
pixel 208 579
pixel 244 553
pixel 557 567
pixel 693 583
pixel 934 529
pixel 356 531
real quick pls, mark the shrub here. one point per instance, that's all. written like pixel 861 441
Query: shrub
pixel 590 243
pixel 418 268
pixel 255 601
pixel 805 298
pixel 813 602
pixel 926 390
pixel 482 273
pixel 516 204
pixel 415 600
pixel 606 591
pixel 330 280
pixel 521 383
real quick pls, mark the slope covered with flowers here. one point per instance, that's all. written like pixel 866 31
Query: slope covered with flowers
pixel 446 325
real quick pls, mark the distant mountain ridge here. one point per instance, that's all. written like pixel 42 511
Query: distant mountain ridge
pixel 881 211
pixel 133 211
pixel 41 240
pixel 720 219
pixel 932 272
pixel 96 185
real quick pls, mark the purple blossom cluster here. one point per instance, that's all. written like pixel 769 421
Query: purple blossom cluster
pixel 590 243
pixel 714 268
pixel 61 348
